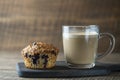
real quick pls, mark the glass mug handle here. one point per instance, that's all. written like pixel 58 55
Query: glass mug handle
pixel 111 46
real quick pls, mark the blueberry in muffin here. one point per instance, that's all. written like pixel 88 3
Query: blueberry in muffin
pixel 39 55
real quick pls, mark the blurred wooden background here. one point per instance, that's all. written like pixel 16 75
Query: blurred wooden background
pixel 26 21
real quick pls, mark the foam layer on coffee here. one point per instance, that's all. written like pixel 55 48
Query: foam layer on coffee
pixel 80 34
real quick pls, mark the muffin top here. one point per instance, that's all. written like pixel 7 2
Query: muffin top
pixel 40 48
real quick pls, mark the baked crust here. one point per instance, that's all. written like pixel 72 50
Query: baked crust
pixel 39 55
pixel 40 48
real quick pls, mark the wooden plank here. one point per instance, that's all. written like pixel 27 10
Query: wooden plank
pixel 8 62
pixel 12 75
pixel 22 22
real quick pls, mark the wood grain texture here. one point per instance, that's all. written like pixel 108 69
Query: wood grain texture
pixel 23 21
pixel 9 60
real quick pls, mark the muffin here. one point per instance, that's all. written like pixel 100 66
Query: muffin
pixel 39 55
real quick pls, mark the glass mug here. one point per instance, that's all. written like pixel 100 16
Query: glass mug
pixel 80 45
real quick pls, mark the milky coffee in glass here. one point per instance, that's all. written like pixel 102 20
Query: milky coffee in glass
pixel 80 45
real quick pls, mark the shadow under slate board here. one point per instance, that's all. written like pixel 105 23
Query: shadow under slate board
pixel 62 71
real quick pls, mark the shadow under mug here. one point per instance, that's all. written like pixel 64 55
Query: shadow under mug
pixel 80 45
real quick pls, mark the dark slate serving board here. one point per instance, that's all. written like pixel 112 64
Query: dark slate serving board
pixel 62 71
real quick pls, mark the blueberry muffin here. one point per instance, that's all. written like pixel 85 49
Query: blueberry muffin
pixel 39 55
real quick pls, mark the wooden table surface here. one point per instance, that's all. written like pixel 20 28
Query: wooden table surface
pixel 9 60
